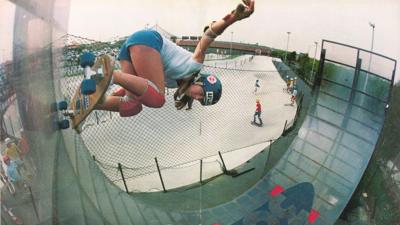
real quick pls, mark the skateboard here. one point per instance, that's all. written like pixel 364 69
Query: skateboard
pixel 256 124
pixel 285 207
pixel 98 74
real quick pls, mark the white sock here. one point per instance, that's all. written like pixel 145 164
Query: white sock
pixel 126 98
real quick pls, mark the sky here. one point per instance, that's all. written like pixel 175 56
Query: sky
pixel 345 21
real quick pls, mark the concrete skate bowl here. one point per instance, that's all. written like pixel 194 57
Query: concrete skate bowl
pixel 330 151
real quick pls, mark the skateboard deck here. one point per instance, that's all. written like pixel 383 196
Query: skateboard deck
pixel 256 124
pixel 82 105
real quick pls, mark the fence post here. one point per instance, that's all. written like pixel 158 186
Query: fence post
pixel 123 177
pixel 201 171
pixel 97 118
pixel 223 163
pixel 284 128
pixel 318 76
pixel 159 173
pixel 269 151
pixel 270 144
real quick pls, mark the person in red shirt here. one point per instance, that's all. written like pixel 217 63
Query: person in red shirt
pixel 258 112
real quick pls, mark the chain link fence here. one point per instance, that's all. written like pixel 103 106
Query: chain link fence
pixel 129 147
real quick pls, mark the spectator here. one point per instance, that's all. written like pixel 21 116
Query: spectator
pixel 12 150
pixel 12 170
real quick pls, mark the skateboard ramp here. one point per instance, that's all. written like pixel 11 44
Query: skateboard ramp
pixel 311 183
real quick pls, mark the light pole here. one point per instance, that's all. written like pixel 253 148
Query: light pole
pixel 370 55
pixel 287 44
pixel 230 52
pixel 372 43
pixel 315 56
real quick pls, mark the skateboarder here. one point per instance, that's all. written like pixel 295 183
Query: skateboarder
pixel 256 86
pixel 294 95
pixel 149 60
pixel 287 84
pixel 258 113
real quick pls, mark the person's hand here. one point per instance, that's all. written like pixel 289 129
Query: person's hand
pixel 243 10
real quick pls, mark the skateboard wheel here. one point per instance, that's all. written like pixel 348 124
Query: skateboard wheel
pixel 86 59
pixel 88 86
pixel 64 124
pixel 62 105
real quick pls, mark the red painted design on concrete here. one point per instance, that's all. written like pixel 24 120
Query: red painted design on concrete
pixel 276 191
pixel 312 217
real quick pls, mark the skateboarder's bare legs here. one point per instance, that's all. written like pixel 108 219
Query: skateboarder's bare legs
pixel 146 66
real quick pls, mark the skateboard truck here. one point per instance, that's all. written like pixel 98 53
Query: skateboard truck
pixel 69 113
pixel 98 74
pixel 63 107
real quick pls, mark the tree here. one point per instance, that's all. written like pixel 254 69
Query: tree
pixel 291 57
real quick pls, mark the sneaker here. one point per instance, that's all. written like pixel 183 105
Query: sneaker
pixel 119 92
pixel 129 106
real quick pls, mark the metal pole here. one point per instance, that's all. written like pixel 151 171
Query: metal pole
pixel 315 56
pixel 123 177
pixel 284 128
pixel 223 163
pixel 269 151
pixel 159 173
pixel 201 171
pixel 97 118
pixel 230 53
pixel 287 45
pixel 318 74
pixel 370 55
